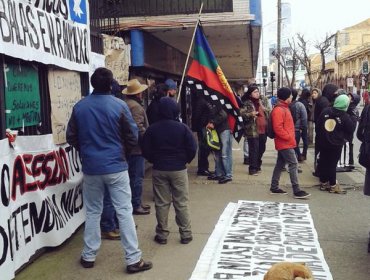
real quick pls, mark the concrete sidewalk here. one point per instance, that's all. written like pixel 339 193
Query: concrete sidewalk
pixel 342 223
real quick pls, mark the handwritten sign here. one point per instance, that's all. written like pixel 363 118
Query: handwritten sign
pixel 65 91
pixel 117 58
pixel 22 96
pixel 251 236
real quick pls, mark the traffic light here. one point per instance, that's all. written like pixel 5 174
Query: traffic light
pixel 365 67
pixel 264 71
pixel 272 77
pixel 264 82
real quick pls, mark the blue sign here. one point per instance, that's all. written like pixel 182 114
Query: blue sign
pixel 77 11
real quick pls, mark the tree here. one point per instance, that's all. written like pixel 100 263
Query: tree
pixel 324 47
pixel 287 58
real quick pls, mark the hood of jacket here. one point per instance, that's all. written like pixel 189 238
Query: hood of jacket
pixel 168 108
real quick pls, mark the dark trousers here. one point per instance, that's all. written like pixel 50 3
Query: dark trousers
pixel 257 147
pixel 301 134
pixel 327 164
pixel 203 152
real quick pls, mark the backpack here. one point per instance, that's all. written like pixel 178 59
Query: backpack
pixel 293 110
pixel 213 140
pixel 269 129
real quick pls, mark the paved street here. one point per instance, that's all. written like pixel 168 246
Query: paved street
pixel 342 223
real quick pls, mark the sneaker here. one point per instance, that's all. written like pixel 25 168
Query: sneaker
pixel 204 173
pixel 336 189
pixel 277 191
pixel 110 235
pixel 186 240
pixel 214 178
pixel 324 186
pixel 86 264
pixel 253 173
pixel 159 240
pixel 301 195
pixel 139 266
pixel 224 180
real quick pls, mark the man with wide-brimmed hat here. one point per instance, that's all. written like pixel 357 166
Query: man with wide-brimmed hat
pixel 133 97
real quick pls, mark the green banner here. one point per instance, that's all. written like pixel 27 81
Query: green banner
pixel 22 96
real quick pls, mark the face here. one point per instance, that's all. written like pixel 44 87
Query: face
pixel 255 94
pixel 315 94
pixel 171 92
pixel 289 100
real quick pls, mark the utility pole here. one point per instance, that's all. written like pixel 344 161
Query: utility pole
pixel 278 47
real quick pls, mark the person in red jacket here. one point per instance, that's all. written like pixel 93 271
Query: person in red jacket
pixel 283 126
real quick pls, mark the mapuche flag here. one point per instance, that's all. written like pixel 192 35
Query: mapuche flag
pixel 206 77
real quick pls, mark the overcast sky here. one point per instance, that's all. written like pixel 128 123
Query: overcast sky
pixel 316 18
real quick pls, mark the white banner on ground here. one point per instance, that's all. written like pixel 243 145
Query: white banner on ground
pixel 251 236
pixel 41 198
pixel 51 33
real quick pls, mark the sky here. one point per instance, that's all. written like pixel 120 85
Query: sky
pixel 316 18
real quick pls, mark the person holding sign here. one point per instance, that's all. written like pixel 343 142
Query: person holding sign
pixel 101 128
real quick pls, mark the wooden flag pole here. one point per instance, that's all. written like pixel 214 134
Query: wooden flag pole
pixel 187 58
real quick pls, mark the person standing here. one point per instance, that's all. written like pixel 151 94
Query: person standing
pixel 223 158
pixel 101 128
pixel 299 115
pixel 334 128
pixel 170 145
pixel 254 116
pixel 136 163
pixel 200 117
pixel 152 111
pixel 172 88
pixel 283 126
pixel 363 134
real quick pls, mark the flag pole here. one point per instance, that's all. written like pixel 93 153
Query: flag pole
pixel 187 58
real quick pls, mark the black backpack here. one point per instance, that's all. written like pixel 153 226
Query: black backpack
pixel 270 130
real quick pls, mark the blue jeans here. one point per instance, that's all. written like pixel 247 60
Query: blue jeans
pixel 108 217
pixel 136 166
pixel 286 156
pixel 224 158
pixel 93 194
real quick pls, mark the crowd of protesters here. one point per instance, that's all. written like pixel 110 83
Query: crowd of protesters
pixel 120 134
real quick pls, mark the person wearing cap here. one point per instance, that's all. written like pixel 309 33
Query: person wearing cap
pixel 254 116
pixel 283 126
pixel 136 163
pixel 172 88
pixel 334 128
pixel 101 128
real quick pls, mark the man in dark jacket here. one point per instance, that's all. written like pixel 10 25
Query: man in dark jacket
pixel 101 128
pixel 170 145
pixel 200 117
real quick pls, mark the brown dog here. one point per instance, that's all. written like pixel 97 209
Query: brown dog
pixel 288 271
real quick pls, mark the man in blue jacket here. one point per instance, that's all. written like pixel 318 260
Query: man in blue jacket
pixel 101 128
pixel 170 145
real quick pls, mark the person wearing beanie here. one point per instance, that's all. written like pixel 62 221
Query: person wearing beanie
pixel 334 128
pixel 255 122
pixel 299 114
pixel 283 126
